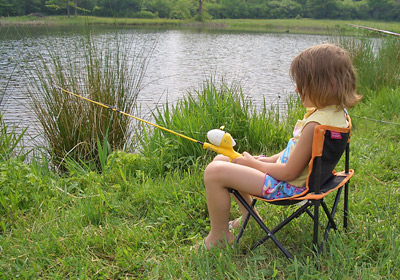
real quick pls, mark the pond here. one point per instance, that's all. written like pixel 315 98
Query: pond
pixel 182 59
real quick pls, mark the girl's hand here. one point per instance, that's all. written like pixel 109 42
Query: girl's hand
pixel 259 157
pixel 265 159
pixel 247 160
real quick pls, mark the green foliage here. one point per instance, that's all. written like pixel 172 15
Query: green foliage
pixel 183 10
pixel 283 9
pixel 145 14
pixel 6 8
pixel 130 223
pixel 55 6
pixel 376 64
pixel 388 10
pixel 135 224
pixel 105 73
pixel 10 142
pixel 127 168
pixel 18 7
pixel 22 187
pixel 382 105
pixel 213 106
pixel 160 7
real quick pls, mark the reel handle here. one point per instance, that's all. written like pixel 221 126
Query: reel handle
pixel 225 148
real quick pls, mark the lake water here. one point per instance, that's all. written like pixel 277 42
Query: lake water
pixel 180 62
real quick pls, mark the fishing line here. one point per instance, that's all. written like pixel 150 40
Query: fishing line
pixel 129 115
pixel 221 141
pixel 374 120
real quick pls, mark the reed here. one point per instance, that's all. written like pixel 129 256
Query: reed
pixel 143 226
pixel 129 223
pixel 376 62
pixel 215 104
pixel 110 72
pixel 11 145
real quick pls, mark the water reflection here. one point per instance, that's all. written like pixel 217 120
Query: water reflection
pixel 182 60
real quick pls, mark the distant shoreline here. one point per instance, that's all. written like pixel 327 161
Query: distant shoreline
pixel 307 26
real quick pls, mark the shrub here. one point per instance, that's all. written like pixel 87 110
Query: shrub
pixel 102 71
pixel 261 131
pixel 10 142
pixel 145 14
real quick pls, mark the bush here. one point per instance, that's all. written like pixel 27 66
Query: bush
pixel 376 63
pixel 145 14
pixel 213 106
pixel 10 142
pixel 105 72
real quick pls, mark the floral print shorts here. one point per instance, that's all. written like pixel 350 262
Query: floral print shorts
pixel 275 189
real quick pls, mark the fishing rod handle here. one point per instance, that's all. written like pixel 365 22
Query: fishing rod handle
pixel 226 151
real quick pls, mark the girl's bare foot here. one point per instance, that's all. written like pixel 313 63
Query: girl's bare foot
pixel 209 242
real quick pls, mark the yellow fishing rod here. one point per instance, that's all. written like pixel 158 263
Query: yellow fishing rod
pixel 222 142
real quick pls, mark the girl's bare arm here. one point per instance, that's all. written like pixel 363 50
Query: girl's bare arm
pixel 298 160
pixel 272 158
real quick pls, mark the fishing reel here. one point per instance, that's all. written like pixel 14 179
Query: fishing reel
pixel 221 143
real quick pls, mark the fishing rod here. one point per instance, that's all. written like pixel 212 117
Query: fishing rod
pixel 375 29
pixel 221 141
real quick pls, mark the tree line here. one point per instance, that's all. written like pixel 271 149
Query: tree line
pixel 387 10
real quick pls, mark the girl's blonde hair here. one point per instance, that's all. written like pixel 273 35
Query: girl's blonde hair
pixel 326 75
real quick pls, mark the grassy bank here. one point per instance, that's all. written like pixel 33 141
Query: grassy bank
pixel 308 26
pixel 132 223
pixel 140 216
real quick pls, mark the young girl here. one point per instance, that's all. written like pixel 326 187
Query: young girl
pixel 326 83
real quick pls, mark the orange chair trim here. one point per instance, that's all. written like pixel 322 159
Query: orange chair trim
pixel 312 196
pixel 317 149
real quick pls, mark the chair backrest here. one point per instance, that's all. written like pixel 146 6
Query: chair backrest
pixel 329 143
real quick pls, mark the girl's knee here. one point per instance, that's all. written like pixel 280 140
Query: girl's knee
pixel 221 158
pixel 214 170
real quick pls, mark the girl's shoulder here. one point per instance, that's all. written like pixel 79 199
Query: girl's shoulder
pixel 330 115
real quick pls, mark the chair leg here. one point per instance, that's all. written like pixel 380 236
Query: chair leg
pixel 304 208
pixel 310 214
pixel 331 216
pixel 316 225
pixel 296 214
pixel 261 223
pixel 244 224
pixel 346 204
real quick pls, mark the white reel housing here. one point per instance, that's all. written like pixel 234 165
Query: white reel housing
pixel 215 137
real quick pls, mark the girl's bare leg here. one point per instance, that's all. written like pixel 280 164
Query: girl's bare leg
pixel 245 196
pixel 218 177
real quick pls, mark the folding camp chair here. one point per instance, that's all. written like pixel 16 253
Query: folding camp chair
pixel 329 143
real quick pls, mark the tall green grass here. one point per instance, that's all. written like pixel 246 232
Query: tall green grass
pixel 377 62
pixel 10 141
pixel 256 130
pixel 109 72
pixel 134 223
pixel 129 226
pixel 12 155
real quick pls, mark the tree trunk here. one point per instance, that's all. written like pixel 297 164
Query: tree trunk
pixel 76 8
pixel 200 9
pixel 68 9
